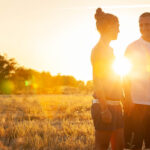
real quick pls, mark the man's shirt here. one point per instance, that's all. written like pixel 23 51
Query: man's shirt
pixel 138 53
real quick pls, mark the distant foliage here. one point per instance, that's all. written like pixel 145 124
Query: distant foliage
pixel 7 70
pixel 19 80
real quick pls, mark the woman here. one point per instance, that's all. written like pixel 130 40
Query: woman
pixel 106 108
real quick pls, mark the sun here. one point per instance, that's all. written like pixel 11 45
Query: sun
pixel 122 66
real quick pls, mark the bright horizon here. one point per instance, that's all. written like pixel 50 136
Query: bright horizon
pixel 58 36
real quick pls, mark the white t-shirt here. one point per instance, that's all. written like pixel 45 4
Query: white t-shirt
pixel 139 54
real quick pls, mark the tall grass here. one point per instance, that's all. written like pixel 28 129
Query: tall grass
pixel 46 122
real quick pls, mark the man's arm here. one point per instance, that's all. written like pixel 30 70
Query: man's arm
pixel 128 104
pixel 127 89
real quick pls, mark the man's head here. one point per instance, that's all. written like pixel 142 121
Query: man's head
pixel 144 23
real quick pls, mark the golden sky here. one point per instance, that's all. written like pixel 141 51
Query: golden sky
pixel 58 35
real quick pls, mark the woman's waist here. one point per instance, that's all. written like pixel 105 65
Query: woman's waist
pixel 109 102
pixel 111 95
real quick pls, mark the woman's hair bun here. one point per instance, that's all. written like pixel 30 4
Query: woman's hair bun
pixel 99 13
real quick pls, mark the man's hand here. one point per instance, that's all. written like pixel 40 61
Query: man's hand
pixel 128 108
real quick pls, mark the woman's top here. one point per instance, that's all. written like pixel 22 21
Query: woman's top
pixel 102 59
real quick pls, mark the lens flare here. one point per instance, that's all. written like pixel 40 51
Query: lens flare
pixel 122 66
pixel 7 86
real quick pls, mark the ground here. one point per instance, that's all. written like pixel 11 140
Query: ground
pixel 46 122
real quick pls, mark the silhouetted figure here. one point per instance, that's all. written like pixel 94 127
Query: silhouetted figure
pixel 106 108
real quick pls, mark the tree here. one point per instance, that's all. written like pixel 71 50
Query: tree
pixel 7 67
pixel 7 70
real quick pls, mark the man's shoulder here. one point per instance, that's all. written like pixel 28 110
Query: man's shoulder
pixel 133 46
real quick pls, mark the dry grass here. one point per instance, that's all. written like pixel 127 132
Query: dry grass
pixel 46 122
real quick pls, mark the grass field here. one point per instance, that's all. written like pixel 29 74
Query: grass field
pixel 46 122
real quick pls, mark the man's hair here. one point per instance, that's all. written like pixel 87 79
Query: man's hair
pixel 146 14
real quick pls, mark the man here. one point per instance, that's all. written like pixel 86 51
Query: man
pixel 137 89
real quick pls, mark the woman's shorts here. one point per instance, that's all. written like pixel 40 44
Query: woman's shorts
pixel 117 117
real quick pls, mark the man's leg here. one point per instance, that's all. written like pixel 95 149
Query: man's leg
pixel 128 131
pixel 147 128
pixel 138 114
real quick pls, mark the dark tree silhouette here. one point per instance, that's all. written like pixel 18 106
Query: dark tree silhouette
pixel 7 67
pixel 16 79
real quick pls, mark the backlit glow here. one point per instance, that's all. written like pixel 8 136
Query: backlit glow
pixel 122 66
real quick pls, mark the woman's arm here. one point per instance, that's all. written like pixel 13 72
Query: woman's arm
pixel 99 76
pixel 99 92
pixel 98 66
pixel 100 95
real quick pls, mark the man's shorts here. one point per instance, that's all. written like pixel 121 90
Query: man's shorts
pixel 117 117
pixel 137 127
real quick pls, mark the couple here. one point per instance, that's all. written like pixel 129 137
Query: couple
pixel 131 128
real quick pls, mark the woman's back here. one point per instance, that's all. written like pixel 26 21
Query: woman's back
pixel 102 58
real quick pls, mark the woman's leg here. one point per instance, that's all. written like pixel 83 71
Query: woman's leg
pixel 117 139
pixel 102 139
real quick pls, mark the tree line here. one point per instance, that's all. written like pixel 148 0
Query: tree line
pixel 16 79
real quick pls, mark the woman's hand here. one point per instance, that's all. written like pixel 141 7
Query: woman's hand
pixel 106 116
